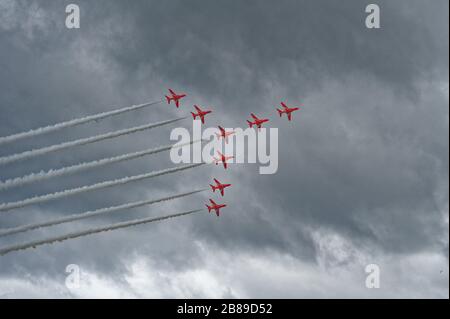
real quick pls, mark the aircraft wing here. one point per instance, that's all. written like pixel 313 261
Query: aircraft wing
pixel 289 116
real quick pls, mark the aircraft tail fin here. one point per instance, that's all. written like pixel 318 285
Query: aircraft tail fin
pixel 194 115
pixel 250 123
pixel 209 208
pixel 168 99
pixel 213 188
pixel 280 112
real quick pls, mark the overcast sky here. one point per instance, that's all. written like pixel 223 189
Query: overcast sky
pixel 363 167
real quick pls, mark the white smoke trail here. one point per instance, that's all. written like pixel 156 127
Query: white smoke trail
pixel 74 122
pixel 35 177
pixel 88 188
pixel 83 141
pixel 33 244
pixel 101 211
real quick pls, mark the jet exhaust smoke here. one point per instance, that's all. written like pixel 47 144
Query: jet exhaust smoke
pixel 69 192
pixel 83 141
pixel 88 214
pixel 91 231
pixel 36 177
pixel 74 122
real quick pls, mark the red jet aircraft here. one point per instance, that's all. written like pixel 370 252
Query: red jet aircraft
pixel 223 159
pixel 258 122
pixel 215 207
pixel 287 110
pixel 219 186
pixel 224 134
pixel 175 97
pixel 200 113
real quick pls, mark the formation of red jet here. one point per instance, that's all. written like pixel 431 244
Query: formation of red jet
pixel 221 188
pixel 200 113
pixel 257 122
pixel 285 110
